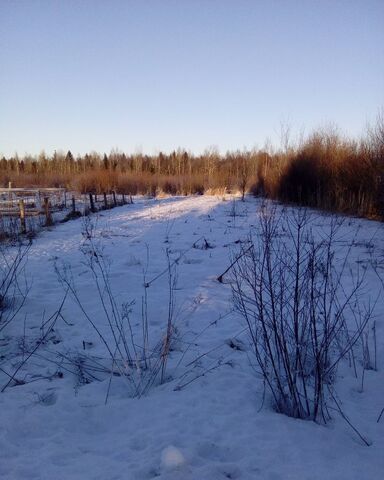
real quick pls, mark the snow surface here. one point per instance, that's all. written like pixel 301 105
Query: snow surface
pixel 208 421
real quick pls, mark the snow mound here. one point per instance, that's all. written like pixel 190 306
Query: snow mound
pixel 171 457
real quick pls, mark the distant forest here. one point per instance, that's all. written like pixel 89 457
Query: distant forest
pixel 325 170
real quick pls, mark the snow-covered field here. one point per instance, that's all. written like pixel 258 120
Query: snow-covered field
pixel 208 420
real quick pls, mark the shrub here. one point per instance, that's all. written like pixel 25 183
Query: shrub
pixel 290 290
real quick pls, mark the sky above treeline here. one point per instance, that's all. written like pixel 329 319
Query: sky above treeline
pixel 152 75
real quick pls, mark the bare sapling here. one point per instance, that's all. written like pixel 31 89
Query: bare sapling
pixel 297 298
pixel 14 290
pixel 13 285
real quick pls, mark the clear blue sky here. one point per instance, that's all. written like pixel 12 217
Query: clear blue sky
pixel 156 75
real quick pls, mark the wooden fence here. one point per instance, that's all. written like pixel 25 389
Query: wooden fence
pixel 47 206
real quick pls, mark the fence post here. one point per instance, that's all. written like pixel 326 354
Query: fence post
pixel 22 217
pixel 105 201
pixel 10 199
pixel 48 217
pixel 114 198
pixel 73 204
pixel 123 199
pixel 92 203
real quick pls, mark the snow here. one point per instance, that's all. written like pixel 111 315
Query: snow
pixel 208 420
pixel 171 458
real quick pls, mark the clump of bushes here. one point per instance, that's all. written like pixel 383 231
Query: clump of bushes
pixel 303 310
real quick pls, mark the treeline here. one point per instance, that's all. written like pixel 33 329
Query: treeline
pixel 325 170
